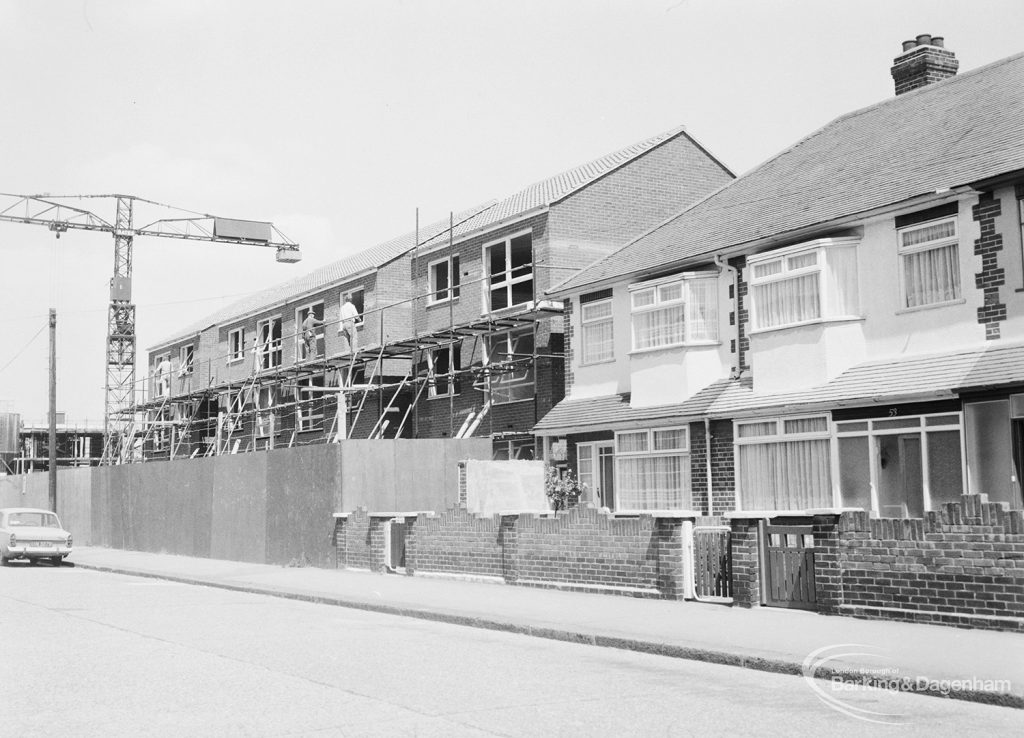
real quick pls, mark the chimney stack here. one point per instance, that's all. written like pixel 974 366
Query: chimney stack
pixel 923 61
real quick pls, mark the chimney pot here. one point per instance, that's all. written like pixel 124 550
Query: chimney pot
pixel 922 62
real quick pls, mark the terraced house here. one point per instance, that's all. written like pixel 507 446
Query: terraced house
pixel 841 326
pixel 453 336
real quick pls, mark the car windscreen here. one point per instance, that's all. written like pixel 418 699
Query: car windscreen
pixel 37 519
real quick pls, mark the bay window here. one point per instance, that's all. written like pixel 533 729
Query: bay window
pixel 676 311
pixel 803 284
pixel 784 463
pixel 929 263
pixel 596 325
pixel 652 469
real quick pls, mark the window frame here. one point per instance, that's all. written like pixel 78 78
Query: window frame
pixel 452 275
pixel 503 382
pixel 311 420
pixel 823 248
pixel 234 356
pixel 267 351
pixel 873 431
pixel 904 251
pixel 780 436
pixel 451 378
pixel 509 280
pixel 685 299
pixel 587 325
pixel 186 359
pixel 650 452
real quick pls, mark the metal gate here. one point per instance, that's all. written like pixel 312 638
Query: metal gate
pixel 789 566
pixel 712 562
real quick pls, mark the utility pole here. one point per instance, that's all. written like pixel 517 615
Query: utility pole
pixel 53 410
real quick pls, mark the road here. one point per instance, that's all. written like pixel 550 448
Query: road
pixel 86 653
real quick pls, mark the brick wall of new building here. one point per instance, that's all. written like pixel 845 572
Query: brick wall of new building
pixel 628 201
pixel 992 276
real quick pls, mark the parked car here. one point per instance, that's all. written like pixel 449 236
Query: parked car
pixel 33 534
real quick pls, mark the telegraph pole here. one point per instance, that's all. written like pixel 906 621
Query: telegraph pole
pixel 53 410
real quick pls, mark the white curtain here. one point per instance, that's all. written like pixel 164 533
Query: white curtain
pixel 653 482
pixel 597 342
pixel 661 327
pixel 932 276
pixel 787 301
pixel 792 475
pixel 703 310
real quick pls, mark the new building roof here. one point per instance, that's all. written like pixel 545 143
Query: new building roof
pixel 538 195
pixel 948 134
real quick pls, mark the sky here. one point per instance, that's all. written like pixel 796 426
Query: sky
pixel 337 119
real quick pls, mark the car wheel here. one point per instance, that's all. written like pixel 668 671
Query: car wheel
pixel 33 562
pixel 57 560
pixel 4 561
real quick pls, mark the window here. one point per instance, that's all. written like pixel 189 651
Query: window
pixel 804 283
pixel 236 345
pixel 356 295
pixel 510 358
pixel 268 347
pixel 305 347
pixel 1020 212
pixel 186 356
pixel 514 449
pixel 310 407
pixel 596 321
pixel 509 272
pixel 784 463
pixel 929 263
pixel 900 466
pixel 266 398
pixel 441 367
pixel 162 375
pixel 444 280
pixel 652 469
pixel 676 312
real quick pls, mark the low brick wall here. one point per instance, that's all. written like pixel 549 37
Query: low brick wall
pixel 582 549
pixel 960 565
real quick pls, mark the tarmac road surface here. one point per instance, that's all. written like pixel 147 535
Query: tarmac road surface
pixel 91 653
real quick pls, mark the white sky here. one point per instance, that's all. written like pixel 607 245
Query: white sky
pixel 336 120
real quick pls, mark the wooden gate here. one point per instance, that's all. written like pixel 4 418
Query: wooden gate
pixel 712 562
pixel 789 566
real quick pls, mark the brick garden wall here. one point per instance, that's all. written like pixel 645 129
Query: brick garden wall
pixel 960 565
pixel 580 549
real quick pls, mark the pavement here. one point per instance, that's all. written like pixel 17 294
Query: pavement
pixel 975 665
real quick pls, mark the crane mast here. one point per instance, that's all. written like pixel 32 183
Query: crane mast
pixel 59 217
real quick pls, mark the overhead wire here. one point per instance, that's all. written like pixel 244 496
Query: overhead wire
pixel 24 348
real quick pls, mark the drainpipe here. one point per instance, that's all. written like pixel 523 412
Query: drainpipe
pixel 707 460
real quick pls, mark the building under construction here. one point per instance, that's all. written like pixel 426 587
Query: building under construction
pixel 446 332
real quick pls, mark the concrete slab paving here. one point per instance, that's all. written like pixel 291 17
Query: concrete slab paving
pixel 976 665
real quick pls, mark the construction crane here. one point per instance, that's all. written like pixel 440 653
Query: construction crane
pixel 54 212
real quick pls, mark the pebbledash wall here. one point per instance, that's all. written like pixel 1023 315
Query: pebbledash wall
pixel 961 565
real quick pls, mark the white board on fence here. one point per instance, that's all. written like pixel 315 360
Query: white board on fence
pixel 493 486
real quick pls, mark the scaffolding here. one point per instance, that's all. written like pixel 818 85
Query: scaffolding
pixel 323 399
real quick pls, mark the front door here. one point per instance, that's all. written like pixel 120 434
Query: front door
pixel 789 566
